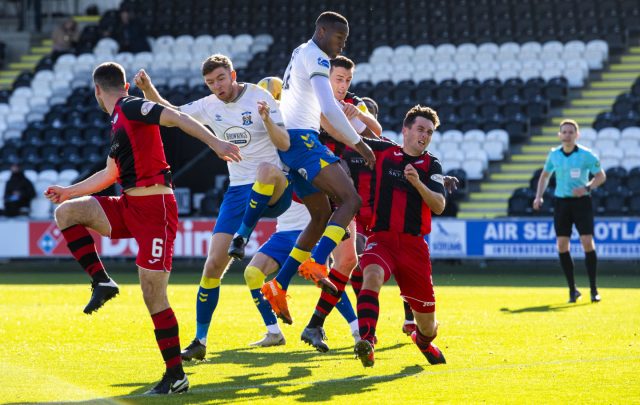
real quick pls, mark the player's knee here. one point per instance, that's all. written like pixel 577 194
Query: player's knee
pixel 428 327
pixel 214 266
pixel 63 215
pixel 347 263
pixel 373 276
pixel 266 172
pixel 253 277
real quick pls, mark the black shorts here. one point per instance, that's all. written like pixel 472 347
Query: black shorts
pixel 569 211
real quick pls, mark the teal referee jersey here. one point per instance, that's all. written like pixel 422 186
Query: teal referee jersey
pixel 572 170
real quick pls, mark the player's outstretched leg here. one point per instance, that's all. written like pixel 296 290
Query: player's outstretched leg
pixel 269 186
pixel 427 348
pixel 254 278
pixel 83 247
pixel 154 292
pixel 409 325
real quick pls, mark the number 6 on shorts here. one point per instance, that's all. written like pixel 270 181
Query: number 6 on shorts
pixel 156 247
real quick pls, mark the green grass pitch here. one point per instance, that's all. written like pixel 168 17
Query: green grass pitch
pixel 507 339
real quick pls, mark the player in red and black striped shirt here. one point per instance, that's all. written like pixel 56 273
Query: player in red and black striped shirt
pixel 344 255
pixel 146 211
pixel 409 186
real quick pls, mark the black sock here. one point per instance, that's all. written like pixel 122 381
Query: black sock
pixel 591 261
pixel 567 266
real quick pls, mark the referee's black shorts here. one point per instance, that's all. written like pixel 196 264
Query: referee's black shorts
pixel 569 211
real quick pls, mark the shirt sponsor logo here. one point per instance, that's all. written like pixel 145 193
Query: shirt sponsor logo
pixel 575 173
pixel 397 153
pixel 246 118
pixel 323 62
pixel 146 107
pixel 238 136
pixel 303 172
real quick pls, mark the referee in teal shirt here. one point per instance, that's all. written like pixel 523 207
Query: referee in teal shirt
pixel 572 164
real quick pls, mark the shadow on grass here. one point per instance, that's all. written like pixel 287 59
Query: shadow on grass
pixel 544 308
pixel 258 384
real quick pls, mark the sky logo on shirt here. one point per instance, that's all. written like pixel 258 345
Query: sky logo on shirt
pixel 323 62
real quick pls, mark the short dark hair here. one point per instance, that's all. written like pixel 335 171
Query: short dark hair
pixel 109 76
pixel 215 61
pixel 343 62
pixel 570 122
pixel 372 106
pixel 421 111
pixel 331 17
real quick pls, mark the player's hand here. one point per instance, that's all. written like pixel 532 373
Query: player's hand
pixel 537 203
pixel 365 151
pixel 579 191
pixel 142 80
pixel 350 110
pixel 451 183
pixel 227 151
pixel 264 110
pixel 411 174
pixel 57 194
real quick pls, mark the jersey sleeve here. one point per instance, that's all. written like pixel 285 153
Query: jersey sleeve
pixel 548 165
pixel 358 125
pixel 360 105
pixel 196 109
pixel 377 144
pixel 274 110
pixel 435 179
pixel 140 109
pixel 594 166
pixel 316 63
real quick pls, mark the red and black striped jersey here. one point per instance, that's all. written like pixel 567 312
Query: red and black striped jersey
pixel 398 206
pixel 335 146
pixel 136 145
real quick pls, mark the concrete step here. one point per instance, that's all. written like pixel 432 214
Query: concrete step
pixel 482 215
pixel 87 18
pixel 620 76
pixel 580 120
pixel 47 42
pixel 511 176
pixel 30 58
pixel 480 206
pixel 535 148
pixel 630 59
pixel 503 186
pixel 599 93
pixel 518 167
pixel 9 73
pixel 489 196
pixel 593 102
pixel 544 139
pixel 22 65
pixel 530 157
pixel 41 50
pixel 613 85
pixel 575 111
pixel 625 67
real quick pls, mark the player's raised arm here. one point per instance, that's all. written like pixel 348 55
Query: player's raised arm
pixel 279 136
pixel 143 82
pixel 332 111
pixel 174 118
pixel 97 182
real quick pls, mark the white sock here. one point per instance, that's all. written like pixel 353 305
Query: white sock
pixel 354 326
pixel 275 328
pixel 409 322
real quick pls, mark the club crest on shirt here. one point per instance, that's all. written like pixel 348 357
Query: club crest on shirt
pixel 238 136
pixel 323 62
pixel 146 107
pixel 246 118
pixel 218 117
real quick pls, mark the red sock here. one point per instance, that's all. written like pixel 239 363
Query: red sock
pixel 423 341
pixel 83 249
pixel 356 280
pixel 166 330
pixel 328 301
pixel 368 311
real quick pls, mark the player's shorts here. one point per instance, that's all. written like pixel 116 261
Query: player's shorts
pixel 234 204
pixel 569 211
pixel 279 245
pixel 407 258
pixel 306 155
pixel 363 222
pixel 151 220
